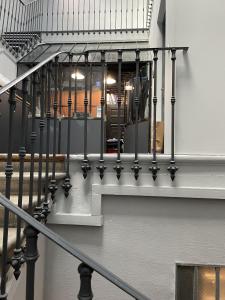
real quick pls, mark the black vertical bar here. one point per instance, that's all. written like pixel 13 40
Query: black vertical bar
pixel 33 139
pixel 53 5
pixel 150 108
pixel 4 15
pixel 7 21
pixel 31 256
pixel 217 289
pixel 17 17
pixel 60 108
pixel 136 167
pixel 101 166
pixel 85 292
pixel 45 210
pixel 73 28
pixel 83 12
pixel 78 17
pixel 17 259
pixel 12 19
pixel 116 15
pixel 53 186
pixel 57 25
pixel 47 14
pixel 8 173
pixel 154 168
pixel 118 168
pixel 41 132
pixel 173 168
pixel 68 16
pixel 90 83
pixel 121 19
pixel 67 185
pixel 75 91
pixel 85 166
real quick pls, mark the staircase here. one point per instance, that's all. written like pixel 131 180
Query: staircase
pixel 60 174
pixel 20 43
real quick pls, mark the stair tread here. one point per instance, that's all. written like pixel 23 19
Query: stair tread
pixel 25 200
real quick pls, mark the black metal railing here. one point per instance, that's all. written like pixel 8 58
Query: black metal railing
pixel 85 269
pixel 20 25
pixel 54 16
pixel 47 93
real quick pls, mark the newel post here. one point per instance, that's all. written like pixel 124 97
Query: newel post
pixel 31 256
pixel 85 292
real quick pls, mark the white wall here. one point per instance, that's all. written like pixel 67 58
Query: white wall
pixel 142 240
pixel 8 66
pixel 200 74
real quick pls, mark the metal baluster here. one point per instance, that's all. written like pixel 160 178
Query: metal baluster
pixel 154 168
pixel 110 16
pixel 90 99
pixel 136 167
pixel 53 5
pixel 45 208
pixel 4 15
pixel 57 17
pixel 42 15
pixel 24 18
pixel 126 13
pixel 83 12
pixel 101 166
pixel 118 168
pixel 17 17
pixel 75 92
pixel 78 17
pixel 33 138
pixel 116 15
pixel 31 256
pixel 89 16
pixel 85 292
pixel 8 174
pixel 173 168
pixel 18 258
pixel 60 108
pixel 99 16
pixel 67 185
pixel 137 18
pixel 68 9
pixel 150 108
pixel 14 12
pixel 9 10
pixel 85 166
pixel 132 16
pixel 94 16
pixel 38 210
pixel 73 16
pixel 47 13
pixel 105 18
pixel 143 15
pixel 63 15
pixel 53 186
pixel 121 13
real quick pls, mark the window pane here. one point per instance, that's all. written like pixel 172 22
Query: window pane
pixel 185 275
pixel 206 283
pixel 222 283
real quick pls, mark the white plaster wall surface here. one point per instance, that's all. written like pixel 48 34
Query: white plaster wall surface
pixel 8 66
pixel 142 240
pixel 198 177
pixel 200 120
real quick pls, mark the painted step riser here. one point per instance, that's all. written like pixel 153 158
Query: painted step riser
pixel 60 167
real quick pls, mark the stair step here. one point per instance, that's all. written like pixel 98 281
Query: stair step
pixel 12 217
pixel 26 183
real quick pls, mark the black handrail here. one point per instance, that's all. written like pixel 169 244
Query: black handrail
pixel 30 72
pixel 65 245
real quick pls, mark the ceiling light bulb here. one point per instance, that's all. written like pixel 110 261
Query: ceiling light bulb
pixel 110 80
pixel 78 76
